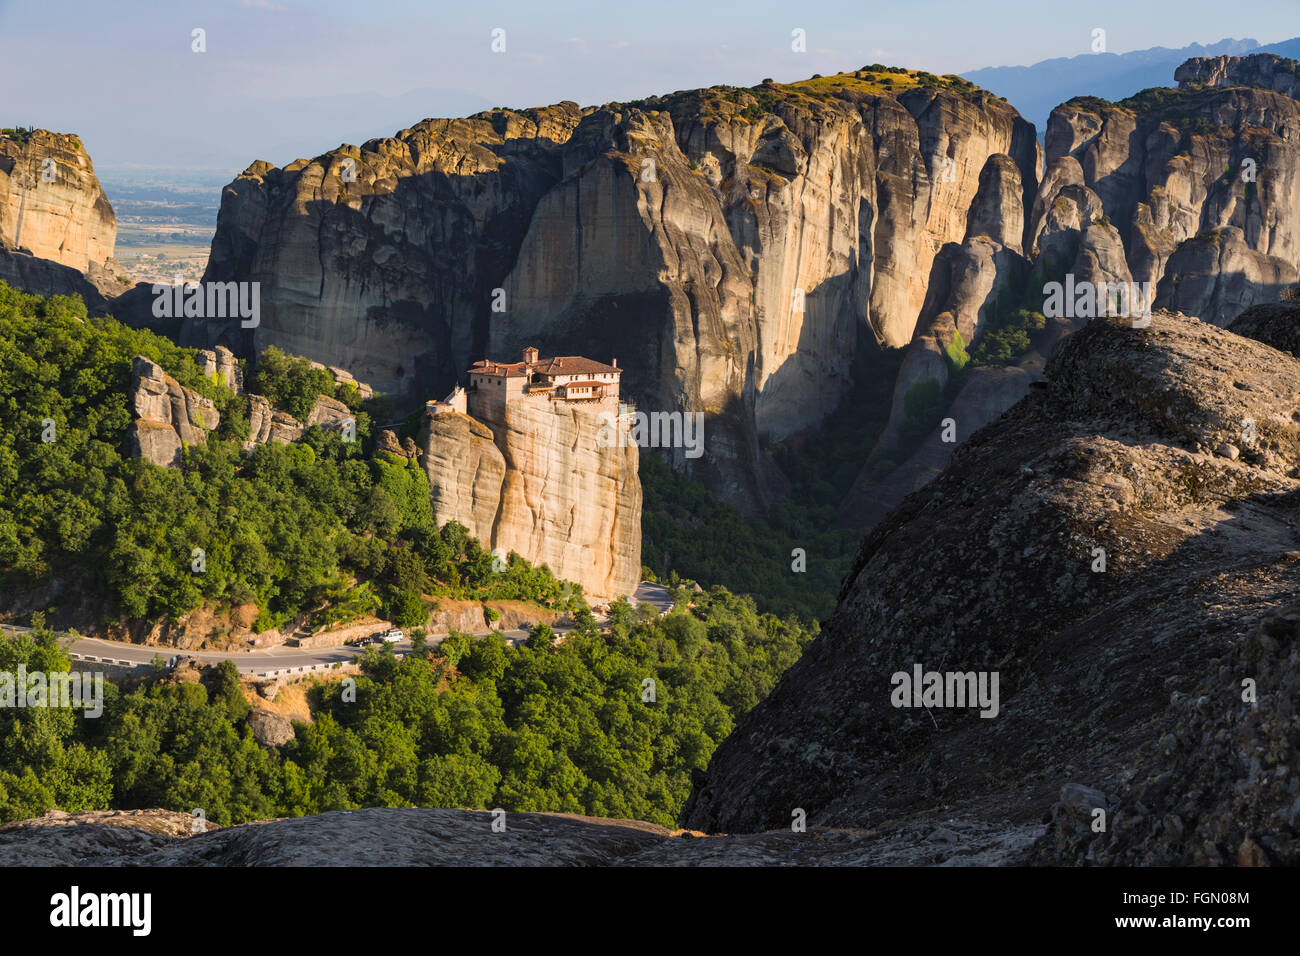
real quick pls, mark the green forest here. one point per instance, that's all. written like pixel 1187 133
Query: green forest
pixel 571 727
pixel 288 528
pixel 689 533
pixel 605 723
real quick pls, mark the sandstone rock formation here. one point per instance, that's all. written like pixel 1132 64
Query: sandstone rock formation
pixel 1124 677
pixel 389 444
pixel 987 392
pixel 344 378
pixel 1263 70
pixel 1171 168
pixel 1149 191
pixel 168 416
pixel 1217 275
pixel 537 479
pixel 267 424
pixel 44 277
pixel 743 246
pixel 269 728
pixel 221 365
pixel 53 209
pixel 739 243
pixel 966 281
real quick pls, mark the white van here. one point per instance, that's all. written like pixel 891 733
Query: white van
pixel 393 636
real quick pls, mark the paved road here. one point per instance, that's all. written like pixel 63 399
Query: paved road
pixel 653 594
pixel 281 659
pixel 284 661
pixel 271 661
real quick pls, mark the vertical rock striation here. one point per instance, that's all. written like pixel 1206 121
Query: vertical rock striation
pixel 169 416
pixel 743 244
pixel 53 213
pixel 536 477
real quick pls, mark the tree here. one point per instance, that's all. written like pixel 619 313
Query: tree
pixel 225 689
pixel 406 609
pixel 291 384
pixel 454 646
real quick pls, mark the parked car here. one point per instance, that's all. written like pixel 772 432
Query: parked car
pixel 393 636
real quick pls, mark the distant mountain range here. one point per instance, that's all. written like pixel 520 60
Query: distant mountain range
pixel 1035 90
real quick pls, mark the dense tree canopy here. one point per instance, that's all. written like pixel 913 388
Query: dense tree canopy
pixel 606 724
pixel 286 527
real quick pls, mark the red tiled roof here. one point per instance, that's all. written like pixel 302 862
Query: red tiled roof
pixel 579 384
pixel 558 365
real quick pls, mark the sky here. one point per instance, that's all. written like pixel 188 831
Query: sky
pixel 286 78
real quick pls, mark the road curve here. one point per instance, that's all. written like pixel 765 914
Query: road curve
pixel 287 661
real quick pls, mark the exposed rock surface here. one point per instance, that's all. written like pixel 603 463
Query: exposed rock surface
pixel 987 393
pixel 1166 189
pixel 93 837
pixel 401 449
pixel 738 243
pixel 270 729
pixel 268 424
pixel 966 281
pixel 537 479
pixel 1277 325
pixel 990 568
pixel 372 837
pixel 168 415
pixel 466 471
pixel 220 364
pixel 51 204
pixel 1263 70
pixel 1217 276
pixel 420 837
pixel 344 378
pixel 45 277
pixel 1176 169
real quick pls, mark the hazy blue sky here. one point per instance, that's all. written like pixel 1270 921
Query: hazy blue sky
pixel 283 78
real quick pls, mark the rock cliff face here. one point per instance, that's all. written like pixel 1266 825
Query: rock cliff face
pixel 168 416
pixel 268 424
pixel 53 211
pixel 221 365
pixel 1189 191
pixel 741 244
pixel 1121 549
pixel 1197 181
pixel 536 477
pixel 1262 70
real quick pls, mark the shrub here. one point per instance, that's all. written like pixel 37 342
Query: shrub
pixel 292 384
pixel 955 352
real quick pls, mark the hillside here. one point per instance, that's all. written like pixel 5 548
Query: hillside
pixel 256 523
pixel 609 721
pixel 1121 548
